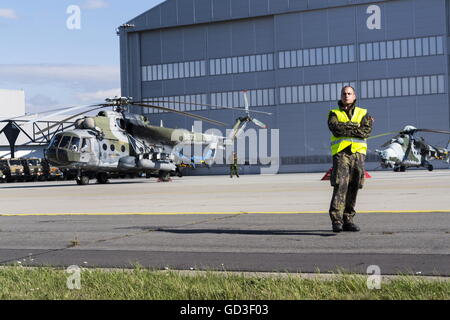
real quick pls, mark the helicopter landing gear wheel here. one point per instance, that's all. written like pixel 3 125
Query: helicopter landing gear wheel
pixel 82 180
pixel 402 168
pixel 430 167
pixel 102 178
pixel 164 176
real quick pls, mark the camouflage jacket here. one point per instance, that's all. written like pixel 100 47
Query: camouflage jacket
pixel 350 129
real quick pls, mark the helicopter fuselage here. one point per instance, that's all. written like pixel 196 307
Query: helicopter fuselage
pixel 406 150
pixel 102 144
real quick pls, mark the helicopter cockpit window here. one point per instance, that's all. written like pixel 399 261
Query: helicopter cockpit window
pixel 55 141
pixel 120 123
pixel 85 145
pixel 65 142
pixel 75 144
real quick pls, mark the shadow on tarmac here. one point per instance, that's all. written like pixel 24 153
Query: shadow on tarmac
pixel 321 233
pixel 31 186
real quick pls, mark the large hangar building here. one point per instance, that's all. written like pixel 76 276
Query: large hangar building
pixel 293 56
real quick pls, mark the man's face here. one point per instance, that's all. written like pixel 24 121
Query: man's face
pixel 348 96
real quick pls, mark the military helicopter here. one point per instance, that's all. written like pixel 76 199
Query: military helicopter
pixel 406 150
pixel 121 142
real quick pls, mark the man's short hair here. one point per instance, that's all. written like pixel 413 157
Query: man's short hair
pixel 344 87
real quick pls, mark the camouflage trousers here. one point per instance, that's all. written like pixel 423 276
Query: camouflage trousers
pixel 347 178
pixel 234 170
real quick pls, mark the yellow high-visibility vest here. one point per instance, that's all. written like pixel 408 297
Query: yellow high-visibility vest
pixel 340 143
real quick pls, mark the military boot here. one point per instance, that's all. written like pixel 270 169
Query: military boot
pixel 350 226
pixel 337 226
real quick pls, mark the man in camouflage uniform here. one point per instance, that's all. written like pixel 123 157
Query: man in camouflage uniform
pixel 350 127
pixel 234 169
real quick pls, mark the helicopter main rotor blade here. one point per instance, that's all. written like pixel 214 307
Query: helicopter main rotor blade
pixel 433 131
pixel 180 112
pixel 70 118
pixel 61 111
pixel 383 134
pixel 204 105
pixel 259 123
pixel 246 102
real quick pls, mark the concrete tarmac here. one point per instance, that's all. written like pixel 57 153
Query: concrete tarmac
pixel 254 223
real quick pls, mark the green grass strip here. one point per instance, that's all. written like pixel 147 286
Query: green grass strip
pixel 141 284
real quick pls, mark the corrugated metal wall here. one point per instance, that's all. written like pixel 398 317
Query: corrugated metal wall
pixel 400 71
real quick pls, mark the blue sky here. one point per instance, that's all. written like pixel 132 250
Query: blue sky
pixel 57 66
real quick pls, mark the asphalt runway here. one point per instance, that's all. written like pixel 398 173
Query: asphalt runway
pixel 255 223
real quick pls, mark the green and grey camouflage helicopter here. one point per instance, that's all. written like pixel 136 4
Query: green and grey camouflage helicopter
pixel 406 150
pixel 121 142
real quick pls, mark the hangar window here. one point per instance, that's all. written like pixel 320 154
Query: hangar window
pixel 411 50
pixel 441 84
pixel 405 86
pixel 307 94
pixel 313 93
pixel 144 74
pixel 325 56
pixel 246 64
pixel 164 71
pixel 419 85
pixel 362 52
pixel 351 53
pixel 241 64
pixel 398 87
pixel 312 56
pixel 212 67
pixel 426 85
pixel 432 45
pixel 258 63
pixel 170 71
pixel 439 45
pixel 229 66
pixel 377 88
pixel 404 48
pixel 197 69
pixel 235 65
pixel 306 58
pixel 376 51
pixel 332 55
pixel 338 54
pixel 390 49
pixel 434 84
pixel 281 60
pixel 383 50
pixel 412 86
pixel 319 56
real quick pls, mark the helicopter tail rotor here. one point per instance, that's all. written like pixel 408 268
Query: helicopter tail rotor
pixel 247 111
